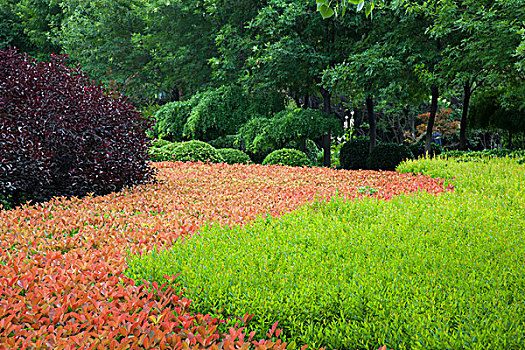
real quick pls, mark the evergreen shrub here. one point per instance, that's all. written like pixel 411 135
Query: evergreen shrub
pixel 228 141
pixel 354 154
pixel 387 156
pixel 171 118
pixel 63 135
pixel 287 156
pixel 195 151
pixel 234 156
pixel 162 150
pixel 223 111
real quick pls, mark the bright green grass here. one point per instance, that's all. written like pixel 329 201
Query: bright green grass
pixel 416 272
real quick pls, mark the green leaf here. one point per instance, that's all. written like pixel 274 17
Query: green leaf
pixel 360 6
pixel 326 11
pixel 369 8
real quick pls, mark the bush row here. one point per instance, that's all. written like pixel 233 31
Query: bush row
pixel 355 155
pixel 413 272
pixel 194 151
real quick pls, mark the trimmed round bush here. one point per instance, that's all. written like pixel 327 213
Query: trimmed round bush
pixel 234 156
pixel 195 151
pixel 354 154
pixel 418 149
pixel 387 156
pixel 64 135
pixel 287 156
pixel 163 152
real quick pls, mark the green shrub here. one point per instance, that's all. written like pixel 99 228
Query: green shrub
pixel 220 112
pixel 228 141
pixel 386 156
pixel 161 150
pixel 354 154
pixel 287 156
pixel 418 149
pixel 287 128
pixel 416 272
pixel 194 151
pixel 158 143
pixel 171 118
pixel 234 156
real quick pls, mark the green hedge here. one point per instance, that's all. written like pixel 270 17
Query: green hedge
pixel 354 154
pixel 415 272
pixel 287 156
pixel 162 150
pixel 386 156
pixel 194 151
pixel 234 156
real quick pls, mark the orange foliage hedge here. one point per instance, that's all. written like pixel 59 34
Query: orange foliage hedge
pixel 61 282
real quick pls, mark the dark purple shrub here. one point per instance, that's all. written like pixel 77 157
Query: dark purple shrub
pixel 63 135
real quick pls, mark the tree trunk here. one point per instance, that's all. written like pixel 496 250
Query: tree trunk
pixel 297 100
pixel 327 100
pixel 371 122
pixel 510 139
pixel 463 127
pixel 306 101
pixel 433 109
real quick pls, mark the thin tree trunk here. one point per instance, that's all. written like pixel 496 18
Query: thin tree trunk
pixel 297 100
pixel 327 100
pixel 463 127
pixel 510 139
pixel 306 101
pixel 371 122
pixel 432 118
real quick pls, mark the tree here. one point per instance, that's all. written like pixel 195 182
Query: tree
pixel 30 25
pixel 482 40
pixel 286 49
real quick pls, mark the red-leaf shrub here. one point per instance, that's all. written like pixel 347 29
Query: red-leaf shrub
pixel 62 134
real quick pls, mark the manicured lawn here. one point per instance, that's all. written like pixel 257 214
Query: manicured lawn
pixel 61 281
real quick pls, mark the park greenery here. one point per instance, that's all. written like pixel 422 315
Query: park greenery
pixel 386 68
pixel 262 174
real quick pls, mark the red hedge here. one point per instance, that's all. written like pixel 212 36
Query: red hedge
pixel 62 134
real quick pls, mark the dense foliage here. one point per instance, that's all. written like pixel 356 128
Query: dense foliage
pixel 354 154
pixel 223 111
pixel 394 74
pixel 233 156
pixel 62 135
pixel 357 274
pixel 387 156
pixel 195 151
pixel 171 118
pixel 162 150
pixel 287 156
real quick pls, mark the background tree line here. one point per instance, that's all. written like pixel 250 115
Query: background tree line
pixel 455 66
